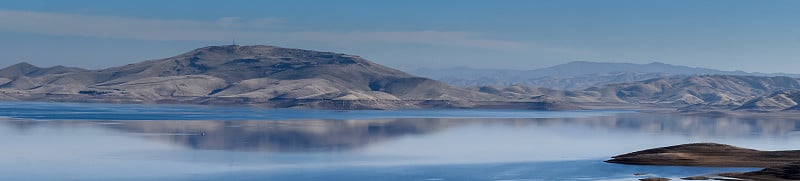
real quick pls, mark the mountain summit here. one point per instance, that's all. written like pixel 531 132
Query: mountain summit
pixel 254 75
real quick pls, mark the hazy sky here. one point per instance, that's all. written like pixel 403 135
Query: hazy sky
pixel 753 35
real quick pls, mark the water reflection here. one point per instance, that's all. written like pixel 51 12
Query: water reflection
pixel 281 136
pixel 345 135
pixel 559 146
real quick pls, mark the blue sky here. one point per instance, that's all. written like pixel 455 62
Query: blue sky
pixel 761 36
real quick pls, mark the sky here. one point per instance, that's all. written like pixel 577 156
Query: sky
pixel 754 36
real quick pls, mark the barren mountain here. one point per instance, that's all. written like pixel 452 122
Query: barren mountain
pixel 726 91
pixel 777 101
pixel 25 69
pixel 281 77
pixel 254 75
pixel 720 90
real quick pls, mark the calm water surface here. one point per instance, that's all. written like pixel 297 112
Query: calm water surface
pixel 59 141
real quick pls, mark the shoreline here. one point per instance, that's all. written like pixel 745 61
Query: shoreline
pixel 315 104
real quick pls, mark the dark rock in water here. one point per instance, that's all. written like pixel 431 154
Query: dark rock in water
pixel 696 178
pixel 789 171
pixel 655 179
pixel 778 165
pixel 728 179
pixel 707 154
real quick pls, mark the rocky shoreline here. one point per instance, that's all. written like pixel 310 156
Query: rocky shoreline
pixel 778 165
pixel 789 171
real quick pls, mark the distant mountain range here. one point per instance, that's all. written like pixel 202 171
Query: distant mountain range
pixel 245 75
pixel 571 76
pixel 733 92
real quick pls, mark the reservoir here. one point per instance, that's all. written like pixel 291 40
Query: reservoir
pixel 68 141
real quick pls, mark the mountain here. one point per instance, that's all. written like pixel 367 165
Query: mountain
pixel 746 93
pixel 778 101
pixel 703 89
pixel 571 76
pixel 253 75
pixel 25 69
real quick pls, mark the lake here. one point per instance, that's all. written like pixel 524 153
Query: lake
pixel 66 141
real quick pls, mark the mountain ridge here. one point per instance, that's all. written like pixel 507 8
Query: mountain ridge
pixel 276 77
pixel 258 75
pixel 698 93
pixel 26 69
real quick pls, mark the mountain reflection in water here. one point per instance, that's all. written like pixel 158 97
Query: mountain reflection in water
pixel 344 135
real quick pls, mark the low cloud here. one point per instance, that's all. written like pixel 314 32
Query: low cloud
pixel 222 29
